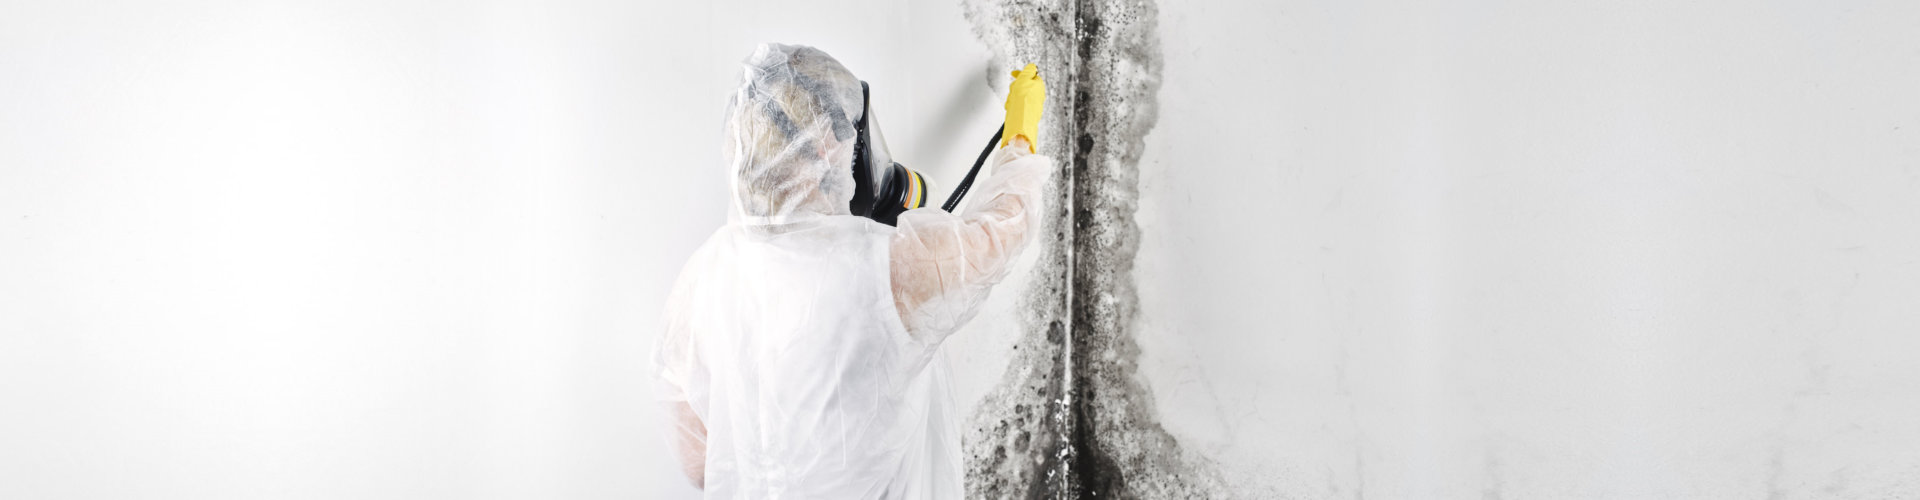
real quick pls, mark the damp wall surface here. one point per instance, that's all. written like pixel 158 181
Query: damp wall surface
pixel 1537 250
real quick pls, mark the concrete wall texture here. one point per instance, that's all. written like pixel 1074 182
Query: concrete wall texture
pixel 1490 250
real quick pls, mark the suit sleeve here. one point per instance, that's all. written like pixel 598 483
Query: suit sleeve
pixel 944 264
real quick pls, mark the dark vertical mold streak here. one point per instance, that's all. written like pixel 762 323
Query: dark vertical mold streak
pixel 1072 418
pixel 1019 440
pixel 1091 471
pixel 1120 448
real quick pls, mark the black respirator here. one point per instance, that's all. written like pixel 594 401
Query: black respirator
pixel 884 189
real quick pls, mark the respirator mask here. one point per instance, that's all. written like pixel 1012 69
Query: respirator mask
pixel 883 189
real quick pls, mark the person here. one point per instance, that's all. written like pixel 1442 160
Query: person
pixel 801 351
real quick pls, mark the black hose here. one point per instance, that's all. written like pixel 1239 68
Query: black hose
pixel 953 200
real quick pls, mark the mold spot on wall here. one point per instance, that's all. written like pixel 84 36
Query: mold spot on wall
pixel 1018 440
pixel 1092 431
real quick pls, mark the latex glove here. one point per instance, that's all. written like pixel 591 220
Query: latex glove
pixel 1026 98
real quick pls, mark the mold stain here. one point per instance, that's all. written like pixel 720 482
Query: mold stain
pixel 1071 418
pixel 1019 444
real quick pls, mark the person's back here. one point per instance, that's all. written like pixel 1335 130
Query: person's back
pixel 810 398
pixel 801 354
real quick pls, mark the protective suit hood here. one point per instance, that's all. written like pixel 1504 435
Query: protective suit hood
pixel 790 136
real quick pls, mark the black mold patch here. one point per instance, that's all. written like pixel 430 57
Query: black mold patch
pixel 1018 444
pixel 1072 419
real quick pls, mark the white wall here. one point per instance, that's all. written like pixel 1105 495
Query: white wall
pixel 1539 249
pixel 385 249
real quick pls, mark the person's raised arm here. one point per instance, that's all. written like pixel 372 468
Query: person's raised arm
pixel 943 264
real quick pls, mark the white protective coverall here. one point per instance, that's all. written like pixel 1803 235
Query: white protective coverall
pixel 801 356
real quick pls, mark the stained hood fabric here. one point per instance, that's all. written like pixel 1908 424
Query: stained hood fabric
pixel 790 136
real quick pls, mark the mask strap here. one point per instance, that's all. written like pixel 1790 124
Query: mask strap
pixel 862 203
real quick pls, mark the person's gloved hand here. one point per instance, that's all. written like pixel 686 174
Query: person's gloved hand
pixel 1026 98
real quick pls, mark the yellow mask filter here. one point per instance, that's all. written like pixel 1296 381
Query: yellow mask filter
pixel 916 191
